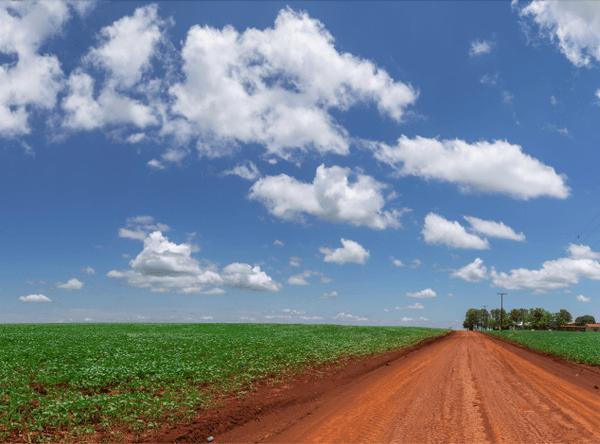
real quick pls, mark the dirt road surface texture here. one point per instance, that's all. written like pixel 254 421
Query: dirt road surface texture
pixel 465 388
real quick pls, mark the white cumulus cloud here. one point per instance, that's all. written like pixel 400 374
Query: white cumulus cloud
pixel 35 298
pixel 497 167
pixel 140 226
pixel 494 229
pixel 88 270
pixel 165 266
pixel 300 279
pixel 275 87
pixel 124 54
pixel 416 306
pixel 424 294
pixel 396 262
pixel 478 48
pixel 350 252
pixel 582 298
pixel 473 272
pixel 246 170
pixel 72 284
pixel 559 273
pixel 573 25
pixel 245 277
pixel 438 230
pixel 333 294
pixel 33 81
pixel 330 197
pixel 348 317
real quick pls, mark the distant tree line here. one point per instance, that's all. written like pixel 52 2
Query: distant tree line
pixel 523 318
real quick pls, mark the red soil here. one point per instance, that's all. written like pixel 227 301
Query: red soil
pixel 467 387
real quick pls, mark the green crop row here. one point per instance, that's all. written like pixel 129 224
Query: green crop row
pixel 79 379
pixel 575 346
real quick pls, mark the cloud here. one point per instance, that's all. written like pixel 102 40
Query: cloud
pixel 438 230
pixel 405 319
pixel 396 262
pixel 72 284
pixel 490 80
pixel 275 87
pixel 450 294
pixel 246 170
pixel 478 48
pixel 326 280
pixel 598 95
pixel 84 112
pixel 124 55
pixel 351 252
pixel 300 279
pixel 473 272
pixel 164 266
pixel 348 317
pixel 32 82
pixel 35 298
pixel 278 243
pixel 559 273
pixel 88 270
pixel 494 229
pixel 245 277
pixel 574 26
pixel 28 149
pixel 416 263
pixel 497 167
pixel 139 227
pixel 311 318
pixel 554 128
pixel 39 281
pixel 127 46
pixel 424 294
pixel 416 306
pixel 330 197
pixel 333 294
pixel 295 261
pixel 297 312
pixel 507 97
pixel 582 252
pixel 582 298
pixel 553 100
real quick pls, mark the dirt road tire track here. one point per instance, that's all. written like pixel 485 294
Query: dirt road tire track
pixel 465 388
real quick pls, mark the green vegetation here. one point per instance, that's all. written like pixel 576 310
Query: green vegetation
pixel 531 319
pixel 65 380
pixel 577 347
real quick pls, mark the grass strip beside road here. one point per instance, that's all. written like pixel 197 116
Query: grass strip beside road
pixel 580 347
pixel 68 381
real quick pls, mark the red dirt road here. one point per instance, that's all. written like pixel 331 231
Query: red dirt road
pixel 465 388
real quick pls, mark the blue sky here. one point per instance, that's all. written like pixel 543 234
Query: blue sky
pixel 381 163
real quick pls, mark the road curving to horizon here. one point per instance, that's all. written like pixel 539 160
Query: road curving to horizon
pixel 465 388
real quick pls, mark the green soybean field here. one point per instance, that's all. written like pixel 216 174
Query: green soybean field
pixel 575 346
pixel 68 382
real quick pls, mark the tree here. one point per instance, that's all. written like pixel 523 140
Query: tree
pixel 564 317
pixel 515 315
pixel 483 318
pixel 583 320
pixel 495 315
pixel 540 319
pixel 471 319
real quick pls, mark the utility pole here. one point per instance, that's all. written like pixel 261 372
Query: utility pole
pixel 501 309
pixel 486 319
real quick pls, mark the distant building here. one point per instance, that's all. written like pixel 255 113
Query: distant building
pixel 592 327
pixel 572 327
